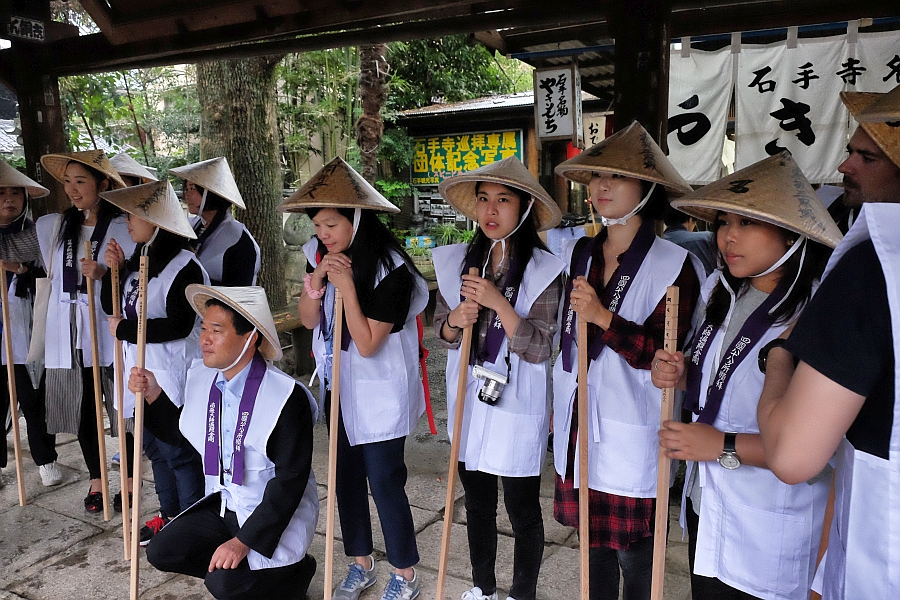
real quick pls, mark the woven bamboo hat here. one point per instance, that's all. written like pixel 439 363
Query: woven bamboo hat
pixel 127 166
pixel 155 202
pixel 631 152
pixel 336 185
pixel 11 177
pixel 214 175
pixel 885 109
pixel 459 190
pixel 56 164
pixel 773 190
pixel 886 136
pixel 249 301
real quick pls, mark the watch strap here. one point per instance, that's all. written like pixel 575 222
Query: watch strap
pixel 730 442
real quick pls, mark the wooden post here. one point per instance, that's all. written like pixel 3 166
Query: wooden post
pixel 584 524
pixel 120 415
pixel 138 429
pixel 465 349
pixel 332 438
pixel 98 390
pixel 661 530
pixel 13 398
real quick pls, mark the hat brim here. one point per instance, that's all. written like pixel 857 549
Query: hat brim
pixel 460 193
pixel 885 136
pixel 121 199
pixel 56 164
pixel 198 295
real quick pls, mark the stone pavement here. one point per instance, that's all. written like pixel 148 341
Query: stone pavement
pixel 52 549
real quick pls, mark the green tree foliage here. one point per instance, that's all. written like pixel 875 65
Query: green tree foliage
pixel 93 107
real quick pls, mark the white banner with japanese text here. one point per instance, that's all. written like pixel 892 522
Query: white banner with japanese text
pixel 557 104
pixel 700 87
pixel 879 61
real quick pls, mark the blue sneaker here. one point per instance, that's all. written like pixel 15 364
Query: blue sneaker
pixel 115 460
pixel 399 588
pixel 357 580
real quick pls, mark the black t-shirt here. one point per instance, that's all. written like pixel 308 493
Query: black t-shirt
pixel 845 334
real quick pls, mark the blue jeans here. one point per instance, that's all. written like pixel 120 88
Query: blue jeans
pixel 636 563
pixel 177 473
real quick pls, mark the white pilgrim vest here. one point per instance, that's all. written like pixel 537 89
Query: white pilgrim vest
pixel 382 396
pixel 169 361
pixel 863 559
pixel 509 438
pixel 274 391
pixel 226 235
pixel 741 510
pixel 20 314
pixel 57 354
pixel 624 404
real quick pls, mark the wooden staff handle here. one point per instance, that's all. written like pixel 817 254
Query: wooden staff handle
pixel 138 429
pixel 661 529
pixel 465 350
pixel 13 398
pixel 118 377
pixel 98 389
pixel 584 499
pixel 333 437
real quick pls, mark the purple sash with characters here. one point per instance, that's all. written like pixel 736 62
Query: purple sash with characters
pixel 756 325
pixel 70 271
pixel 213 447
pixel 130 306
pixel 615 292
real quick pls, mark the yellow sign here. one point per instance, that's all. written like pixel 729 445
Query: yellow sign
pixel 440 157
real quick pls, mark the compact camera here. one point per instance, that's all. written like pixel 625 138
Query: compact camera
pixel 493 384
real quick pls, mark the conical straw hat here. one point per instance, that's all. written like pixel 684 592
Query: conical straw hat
pixel 11 177
pixel 337 185
pixel 155 202
pixel 125 165
pixel 885 109
pixel 886 136
pixel 250 301
pixel 214 175
pixel 459 190
pixel 631 152
pixel 773 190
pixel 56 164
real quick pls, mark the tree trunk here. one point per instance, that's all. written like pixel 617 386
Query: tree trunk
pixel 373 75
pixel 237 121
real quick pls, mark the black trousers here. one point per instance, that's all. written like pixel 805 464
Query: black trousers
pixel 32 407
pixel 187 544
pixel 87 430
pixel 521 497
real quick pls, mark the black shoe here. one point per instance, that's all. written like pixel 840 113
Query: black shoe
pixel 117 501
pixel 93 502
pixel 307 568
pixel 151 528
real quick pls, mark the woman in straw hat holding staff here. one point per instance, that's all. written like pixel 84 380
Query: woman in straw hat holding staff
pixel 160 230
pixel 15 191
pixel 751 536
pixel 514 302
pixel 381 395
pixel 57 241
pixel 617 283
pixel 224 246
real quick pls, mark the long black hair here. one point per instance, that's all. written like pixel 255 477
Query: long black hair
pixel 73 219
pixel 164 248
pixel 523 242
pixel 374 248
pixel 813 265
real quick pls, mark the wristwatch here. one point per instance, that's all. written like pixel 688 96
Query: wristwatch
pixel 729 458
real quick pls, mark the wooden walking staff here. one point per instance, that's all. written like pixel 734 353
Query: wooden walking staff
pixel 98 391
pixel 584 499
pixel 465 350
pixel 333 436
pixel 670 345
pixel 120 414
pixel 138 429
pixel 13 399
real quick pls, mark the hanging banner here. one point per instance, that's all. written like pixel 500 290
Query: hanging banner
pixel 557 104
pixel 594 126
pixel 876 62
pixel 439 157
pixel 700 87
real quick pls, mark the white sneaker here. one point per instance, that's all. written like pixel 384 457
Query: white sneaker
pixel 50 474
pixel 355 582
pixel 476 594
pixel 399 588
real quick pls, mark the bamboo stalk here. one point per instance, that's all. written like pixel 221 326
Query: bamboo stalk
pixel 584 525
pixel 332 439
pixel 138 428
pixel 667 408
pixel 120 415
pixel 465 349
pixel 98 389
pixel 13 398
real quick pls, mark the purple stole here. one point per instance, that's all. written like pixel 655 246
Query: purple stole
pixel 70 272
pixel 130 306
pixel 494 338
pixel 212 460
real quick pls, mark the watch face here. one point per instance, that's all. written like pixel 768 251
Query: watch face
pixel 729 461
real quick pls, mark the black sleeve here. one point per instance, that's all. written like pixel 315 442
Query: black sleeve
pixel 161 419
pixel 290 448
pixel 391 298
pixel 179 319
pixel 239 263
pixel 106 293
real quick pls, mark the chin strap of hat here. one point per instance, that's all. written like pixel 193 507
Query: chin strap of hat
pixel 241 355
pixel 623 220
pixel 200 210
pixel 357 214
pixel 502 241
pixel 145 249
pixel 87 211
